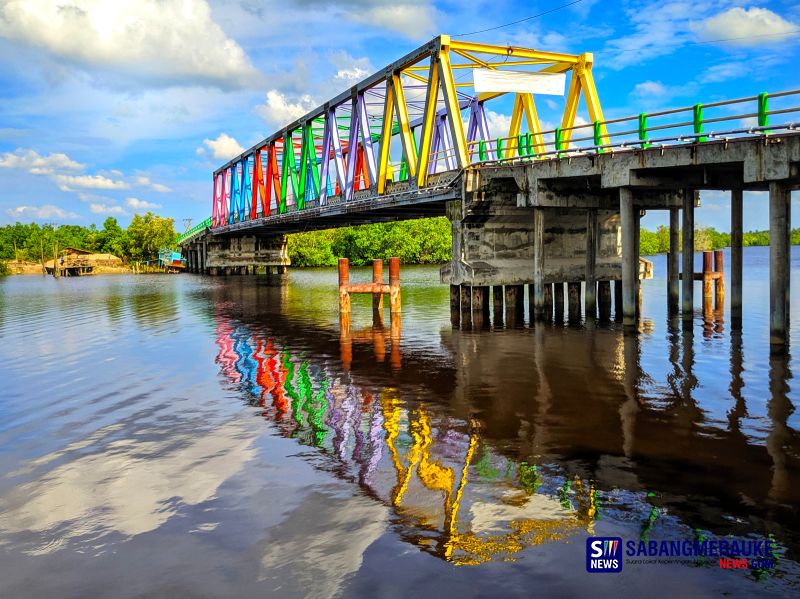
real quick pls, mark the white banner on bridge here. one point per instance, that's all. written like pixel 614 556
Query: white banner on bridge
pixel 520 82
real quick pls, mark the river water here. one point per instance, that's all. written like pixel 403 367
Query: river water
pixel 190 436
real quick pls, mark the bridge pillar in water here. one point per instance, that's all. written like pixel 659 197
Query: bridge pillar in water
pixel 240 255
pixel 779 265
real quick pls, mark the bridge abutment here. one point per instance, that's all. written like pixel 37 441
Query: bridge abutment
pixel 242 255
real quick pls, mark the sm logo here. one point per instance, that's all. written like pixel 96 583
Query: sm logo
pixel 604 554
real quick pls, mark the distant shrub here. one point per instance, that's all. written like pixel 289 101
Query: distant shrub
pixel 4 270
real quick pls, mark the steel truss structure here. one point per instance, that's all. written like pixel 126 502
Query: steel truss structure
pixel 396 128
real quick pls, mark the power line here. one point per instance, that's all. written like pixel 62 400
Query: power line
pixel 541 14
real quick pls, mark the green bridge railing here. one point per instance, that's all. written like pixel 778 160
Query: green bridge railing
pixel 196 230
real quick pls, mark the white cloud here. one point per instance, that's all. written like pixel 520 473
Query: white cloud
pixel 752 27
pixel 144 181
pixel 37 164
pixel 44 212
pixel 162 41
pixel 279 111
pixel 652 89
pixel 106 209
pixel 224 147
pixel 348 69
pixel 70 182
pixel 415 21
pixel 499 124
pixel 138 204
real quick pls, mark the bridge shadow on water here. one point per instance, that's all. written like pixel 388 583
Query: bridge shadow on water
pixel 485 443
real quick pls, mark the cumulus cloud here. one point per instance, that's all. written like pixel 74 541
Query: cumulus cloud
pixel 416 21
pixel 71 182
pixel 44 212
pixel 106 209
pixel 138 204
pixel 278 110
pixel 651 89
pixel 224 147
pixel 161 41
pixel 499 124
pixel 37 164
pixel 144 181
pixel 749 27
pixel 348 69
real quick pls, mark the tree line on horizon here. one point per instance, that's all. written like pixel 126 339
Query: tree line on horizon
pixel 140 242
pixel 423 241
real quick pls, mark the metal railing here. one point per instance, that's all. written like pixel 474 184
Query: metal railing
pixel 196 230
pixel 695 124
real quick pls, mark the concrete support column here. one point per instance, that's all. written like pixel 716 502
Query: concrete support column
pixel 630 261
pixel 604 299
pixel 538 263
pixel 558 302
pixel 779 255
pixel 480 307
pixel 515 304
pixel 455 304
pixel 466 307
pixel 574 300
pixel 673 266
pixel 737 230
pixel 687 255
pixel 591 261
pixel 497 304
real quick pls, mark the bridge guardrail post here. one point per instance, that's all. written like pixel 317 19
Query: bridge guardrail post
pixel 697 120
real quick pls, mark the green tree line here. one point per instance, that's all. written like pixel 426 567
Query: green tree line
pixel 141 241
pixel 424 241
pixel 705 238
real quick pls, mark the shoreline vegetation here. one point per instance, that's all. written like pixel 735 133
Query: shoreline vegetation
pixel 423 241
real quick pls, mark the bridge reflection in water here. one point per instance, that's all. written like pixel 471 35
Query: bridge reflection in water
pixel 475 473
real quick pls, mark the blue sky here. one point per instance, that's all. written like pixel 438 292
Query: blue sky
pixel 110 108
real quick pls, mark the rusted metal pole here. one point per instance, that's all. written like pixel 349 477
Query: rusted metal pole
pixel 344 282
pixel 708 258
pixel 394 284
pixel 377 278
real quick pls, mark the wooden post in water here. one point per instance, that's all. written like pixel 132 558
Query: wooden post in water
pixel 719 287
pixel 497 302
pixel 591 259
pixel 673 264
pixel 604 299
pixel 56 265
pixel 455 305
pixel 708 281
pixel 377 279
pixel 558 302
pixel 394 285
pixel 779 255
pixel 344 281
pixel 737 229
pixel 515 304
pixel 687 254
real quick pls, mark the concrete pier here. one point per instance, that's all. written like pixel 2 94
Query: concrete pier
pixel 779 255
pixel 687 254
pixel 673 262
pixel 737 230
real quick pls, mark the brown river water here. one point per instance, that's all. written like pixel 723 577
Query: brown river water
pixel 187 436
